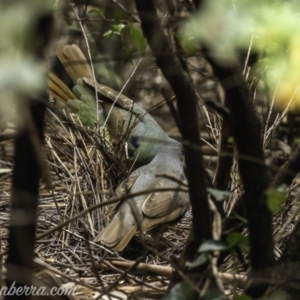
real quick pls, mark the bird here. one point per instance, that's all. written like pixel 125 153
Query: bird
pixel 153 209
pixel 157 157
pixel 126 120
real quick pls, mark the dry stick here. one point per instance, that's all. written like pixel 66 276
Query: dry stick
pixel 143 292
pixel 270 109
pixel 166 271
pixel 121 91
pixel 158 270
pixel 288 170
pixel 248 56
pixel 216 233
pixel 288 264
pixel 82 238
pixel 209 132
pixel 91 64
pixel 41 263
pixel 52 189
pixel 94 269
pixel 107 263
pixel 96 98
pixel 133 16
pixel 209 122
pixel 83 201
pixel 283 233
pixel 124 86
pixel 75 256
pixel 109 289
pixel 182 274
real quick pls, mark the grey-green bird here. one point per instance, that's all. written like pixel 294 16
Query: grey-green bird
pixel 153 209
pixel 126 120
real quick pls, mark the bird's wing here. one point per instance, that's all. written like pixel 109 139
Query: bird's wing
pixel 151 223
pixel 117 234
pixel 159 204
pixel 123 188
pixel 164 207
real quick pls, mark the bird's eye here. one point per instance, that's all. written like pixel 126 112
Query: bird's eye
pixel 134 141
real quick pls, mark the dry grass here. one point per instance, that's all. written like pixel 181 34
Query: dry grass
pixel 84 172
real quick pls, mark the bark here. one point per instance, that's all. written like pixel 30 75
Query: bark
pixel 181 83
pixel 246 129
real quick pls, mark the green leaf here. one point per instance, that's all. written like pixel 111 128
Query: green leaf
pixel 138 38
pixel 237 239
pixel 108 34
pixel 118 28
pixel 188 43
pixel 212 245
pixel 230 141
pixel 181 291
pixel 275 197
pixel 97 11
pixel 200 260
pixel 219 195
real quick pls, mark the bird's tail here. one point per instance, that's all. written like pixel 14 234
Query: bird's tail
pixel 117 234
pixel 59 90
pixel 74 64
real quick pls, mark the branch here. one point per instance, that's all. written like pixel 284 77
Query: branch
pixel 239 280
pixel 27 171
pixel 246 129
pixel 181 84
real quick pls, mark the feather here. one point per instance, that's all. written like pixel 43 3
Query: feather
pixel 150 223
pixel 117 234
pixel 58 87
pixel 78 64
